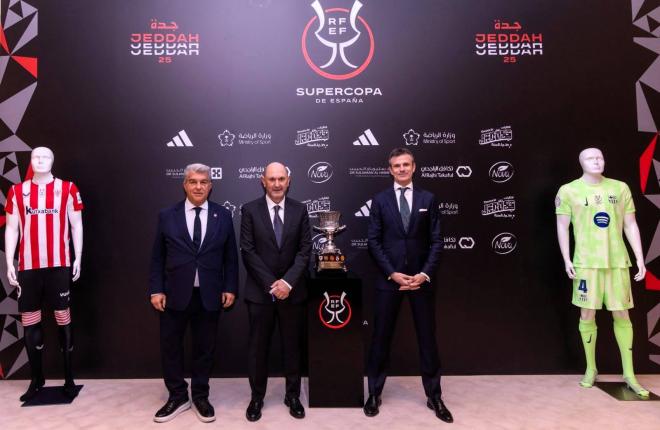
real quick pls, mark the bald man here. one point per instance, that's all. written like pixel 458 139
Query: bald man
pixel 275 245
pixel 600 209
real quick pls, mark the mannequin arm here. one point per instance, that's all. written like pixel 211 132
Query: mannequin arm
pixel 631 230
pixel 75 219
pixel 11 240
pixel 563 222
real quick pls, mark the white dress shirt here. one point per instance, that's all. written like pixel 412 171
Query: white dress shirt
pixel 271 209
pixel 408 195
pixel 190 223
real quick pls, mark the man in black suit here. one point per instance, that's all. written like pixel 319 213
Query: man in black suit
pixel 404 240
pixel 194 272
pixel 275 245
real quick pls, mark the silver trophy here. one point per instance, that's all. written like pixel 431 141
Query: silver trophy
pixel 330 257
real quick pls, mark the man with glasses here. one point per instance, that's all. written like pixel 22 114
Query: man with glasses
pixel 194 274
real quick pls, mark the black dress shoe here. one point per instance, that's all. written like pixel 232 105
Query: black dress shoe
pixel 440 410
pixel 371 407
pixel 253 412
pixel 33 389
pixel 296 408
pixel 204 410
pixel 171 409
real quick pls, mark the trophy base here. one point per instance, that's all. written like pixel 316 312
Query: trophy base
pixel 331 262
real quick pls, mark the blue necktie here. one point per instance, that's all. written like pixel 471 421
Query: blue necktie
pixel 278 227
pixel 197 229
pixel 404 209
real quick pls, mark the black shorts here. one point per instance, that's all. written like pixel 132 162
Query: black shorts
pixel 50 284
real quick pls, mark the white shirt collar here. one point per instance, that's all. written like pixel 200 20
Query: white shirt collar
pixel 189 206
pixel 271 204
pixel 397 186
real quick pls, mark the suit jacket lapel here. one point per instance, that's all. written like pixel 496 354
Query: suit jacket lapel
pixel 265 218
pixel 212 222
pixel 289 219
pixel 180 219
pixel 414 213
pixel 394 208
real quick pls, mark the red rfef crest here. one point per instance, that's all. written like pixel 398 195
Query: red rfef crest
pixel 335 311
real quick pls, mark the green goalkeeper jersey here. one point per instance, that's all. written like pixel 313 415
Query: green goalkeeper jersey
pixel 597 212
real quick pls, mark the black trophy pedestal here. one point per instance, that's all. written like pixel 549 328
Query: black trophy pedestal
pixel 336 351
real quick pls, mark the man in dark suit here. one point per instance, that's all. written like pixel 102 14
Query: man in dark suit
pixel 404 240
pixel 194 273
pixel 275 245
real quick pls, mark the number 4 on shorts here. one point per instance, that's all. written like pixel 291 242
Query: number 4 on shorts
pixel 583 286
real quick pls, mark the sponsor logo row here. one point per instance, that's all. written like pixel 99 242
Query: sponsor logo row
pixel 323 171
pixel 319 137
pixel 501 243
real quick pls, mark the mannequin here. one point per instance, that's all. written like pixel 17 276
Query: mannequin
pixel 600 209
pixel 39 212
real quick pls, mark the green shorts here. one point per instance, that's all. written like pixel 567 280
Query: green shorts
pixel 593 287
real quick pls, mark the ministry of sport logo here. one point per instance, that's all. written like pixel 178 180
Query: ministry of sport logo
pixel 337 43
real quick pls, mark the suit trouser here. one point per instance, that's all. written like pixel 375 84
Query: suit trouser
pixel 203 325
pixel 386 309
pixel 290 319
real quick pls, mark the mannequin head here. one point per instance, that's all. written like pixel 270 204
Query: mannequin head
pixel 592 161
pixel 276 181
pixel 42 160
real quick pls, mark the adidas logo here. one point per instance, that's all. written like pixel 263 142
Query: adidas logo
pixel 364 210
pixel 180 140
pixel 366 139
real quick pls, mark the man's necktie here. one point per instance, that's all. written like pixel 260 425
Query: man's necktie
pixel 197 229
pixel 278 227
pixel 404 209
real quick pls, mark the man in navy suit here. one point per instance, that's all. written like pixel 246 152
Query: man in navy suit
pixel 404 240
pixel 275 245
pixel 194 273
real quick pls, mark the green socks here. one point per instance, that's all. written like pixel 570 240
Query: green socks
pixel 623 331
pixel 589 332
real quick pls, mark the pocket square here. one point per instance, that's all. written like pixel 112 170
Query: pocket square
pixel 423 210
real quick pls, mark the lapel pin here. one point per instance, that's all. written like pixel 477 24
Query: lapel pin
pixel 215 215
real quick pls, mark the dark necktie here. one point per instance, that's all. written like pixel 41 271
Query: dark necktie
pixel 404 209
pixel 278 227
pixel 197 229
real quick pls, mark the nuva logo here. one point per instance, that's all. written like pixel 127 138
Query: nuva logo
pixel 320 172
pixel 602 219
pixel 504 243
pixel 317 243
pixel 501 171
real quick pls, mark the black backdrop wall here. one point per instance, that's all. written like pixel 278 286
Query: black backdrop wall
pixel 495 98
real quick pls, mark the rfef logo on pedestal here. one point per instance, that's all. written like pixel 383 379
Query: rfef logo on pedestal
pixel 335 311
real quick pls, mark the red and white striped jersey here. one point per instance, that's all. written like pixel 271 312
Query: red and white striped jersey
pixel 43 222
